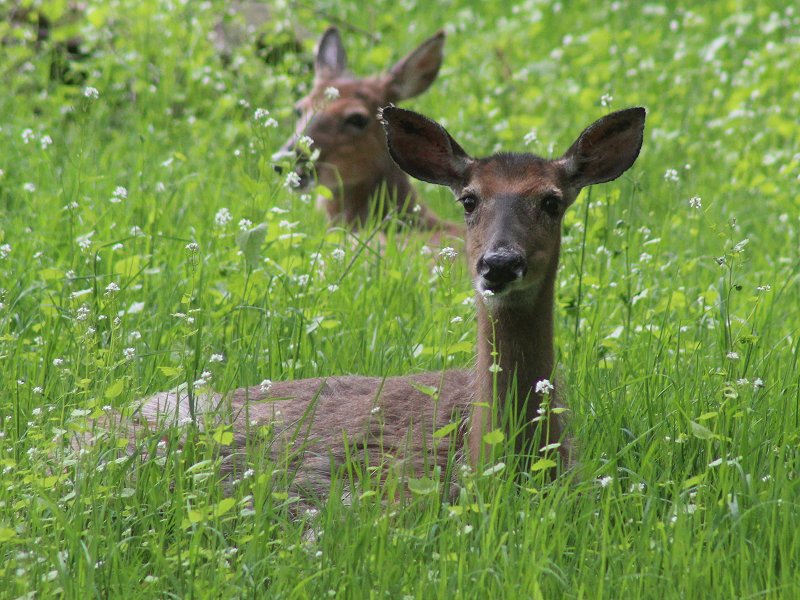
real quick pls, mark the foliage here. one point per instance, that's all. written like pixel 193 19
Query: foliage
pixel 146 242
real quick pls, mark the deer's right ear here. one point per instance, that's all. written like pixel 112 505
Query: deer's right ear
pixel 331 60
pixel 423 148
pixel 415 73
pixel 605 149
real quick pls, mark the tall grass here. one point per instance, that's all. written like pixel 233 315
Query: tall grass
pixel 127 189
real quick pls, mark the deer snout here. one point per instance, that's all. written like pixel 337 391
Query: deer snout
pixel 282 157
pixel 498 268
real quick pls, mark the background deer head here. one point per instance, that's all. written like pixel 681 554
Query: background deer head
pixel 339 116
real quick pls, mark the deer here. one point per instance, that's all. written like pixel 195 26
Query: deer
pixel 513 209
pixel 339 116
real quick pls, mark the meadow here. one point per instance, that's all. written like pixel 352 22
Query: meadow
pixel 146 242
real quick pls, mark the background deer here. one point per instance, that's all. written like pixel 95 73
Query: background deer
pixel 513 206
pixel 339 115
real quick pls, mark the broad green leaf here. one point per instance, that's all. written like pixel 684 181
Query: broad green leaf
pixel 444 431
pixel 699 431
pixel 423 486
pixel 224 506
pixel 223 436
pixel 115 389
pixel 251 241
pixel 6 534
pixel 494 437
pixel 542 464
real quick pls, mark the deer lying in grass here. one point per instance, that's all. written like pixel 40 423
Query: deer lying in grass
pixel 513 205
pixel 339 115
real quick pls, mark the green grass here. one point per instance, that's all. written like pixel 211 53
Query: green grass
pixel 688 482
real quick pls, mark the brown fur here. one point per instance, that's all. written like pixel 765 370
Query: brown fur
pixel 353 161
pixel 519 203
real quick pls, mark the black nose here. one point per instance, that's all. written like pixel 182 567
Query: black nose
pixel 282 156
pixel 501 267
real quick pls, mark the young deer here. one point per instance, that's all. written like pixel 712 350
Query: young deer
pixel 353 162
pixel 513 205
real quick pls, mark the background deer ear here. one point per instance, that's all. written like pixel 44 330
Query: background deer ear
pixel 423 148
pixel 414 74
pixel 331 60
pixel 605 149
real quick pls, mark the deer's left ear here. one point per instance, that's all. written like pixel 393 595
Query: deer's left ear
pixel 423 148
pixel 331 60
pixel 605 149
pixel 416 72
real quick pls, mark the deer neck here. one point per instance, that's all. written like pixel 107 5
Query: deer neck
pixel 515 351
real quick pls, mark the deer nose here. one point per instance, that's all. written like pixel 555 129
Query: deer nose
pixel 282 156
pixel 501 267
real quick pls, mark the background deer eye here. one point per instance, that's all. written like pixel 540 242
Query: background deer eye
pixel 357 120
pixel 551 205
pixel 470 203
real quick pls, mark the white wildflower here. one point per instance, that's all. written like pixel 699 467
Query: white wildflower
pixel 29 187
pixel 111 288
pixel 338 254
pixel 223 217
pixel 292 180
pixel 605 481
pixel 245 224
pixel 544 387
pixel 91 93
pixel 606 100
pixel 265 386
pixel 671 175
pixel 215 358
pixel 732 356
pixel 120 193
pixel 448 253
pixel 495 368
pixel 5 250
pixel 331 93
pixel 530 137
pixel 696 202
pixel 129 353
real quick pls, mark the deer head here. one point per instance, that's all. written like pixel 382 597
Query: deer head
pixel 341 121
pixel 513 203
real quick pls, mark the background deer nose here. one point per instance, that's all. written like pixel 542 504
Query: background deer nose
pixel 502 266
pixel 283 155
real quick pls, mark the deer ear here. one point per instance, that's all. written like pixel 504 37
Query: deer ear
pixel 331 60
pixel 423 148
pixel 605 149
pixel 414 74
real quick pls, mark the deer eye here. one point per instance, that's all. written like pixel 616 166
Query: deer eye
pixel 551 205
pixel 298 112
pixel 469 202
pixel 357 120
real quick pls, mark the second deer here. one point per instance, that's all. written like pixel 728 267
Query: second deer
pixel 513 206
pixel 339 117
